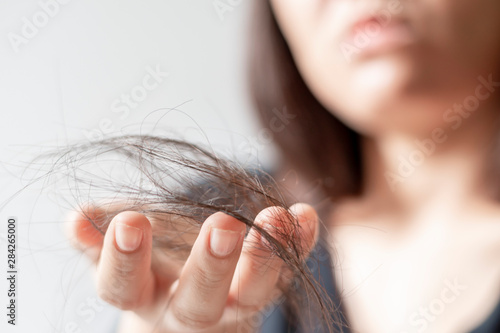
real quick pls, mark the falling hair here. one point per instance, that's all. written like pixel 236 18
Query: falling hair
pixel 177 185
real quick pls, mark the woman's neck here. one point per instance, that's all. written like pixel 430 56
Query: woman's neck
pixel 446 169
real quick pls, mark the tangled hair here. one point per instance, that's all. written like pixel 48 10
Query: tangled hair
pixel 177 185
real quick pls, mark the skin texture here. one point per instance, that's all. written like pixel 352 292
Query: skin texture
pixel 400 243
pixel 215 290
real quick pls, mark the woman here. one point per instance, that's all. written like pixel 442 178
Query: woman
pixel 393 110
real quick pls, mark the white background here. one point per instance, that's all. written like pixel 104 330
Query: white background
pixel 60 85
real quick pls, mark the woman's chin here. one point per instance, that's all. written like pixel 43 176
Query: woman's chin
pixel 385 75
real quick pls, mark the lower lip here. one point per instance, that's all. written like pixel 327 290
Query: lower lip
pixel 373 38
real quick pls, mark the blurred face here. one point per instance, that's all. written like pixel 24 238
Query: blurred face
pixel 394 65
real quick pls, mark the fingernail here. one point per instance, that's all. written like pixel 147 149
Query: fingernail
pixel 223 242
pixel 127 238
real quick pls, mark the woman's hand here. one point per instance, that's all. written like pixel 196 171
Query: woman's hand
pixel 225 279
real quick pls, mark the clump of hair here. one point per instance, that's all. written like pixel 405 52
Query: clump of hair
pixel 177 185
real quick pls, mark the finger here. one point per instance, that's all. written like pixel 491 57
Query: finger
pixel 309 229
pixel 201 295
pixel 307 234
pixel 124 276
pixel 82 232
pixel 259 269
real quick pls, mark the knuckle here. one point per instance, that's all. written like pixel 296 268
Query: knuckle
pixel 112 297
pixel 190 318
pixel 205 280
pixel 124 269
pixel 116 291
pixel 120 269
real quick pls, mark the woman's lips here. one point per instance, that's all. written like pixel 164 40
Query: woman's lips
pixel 372 36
